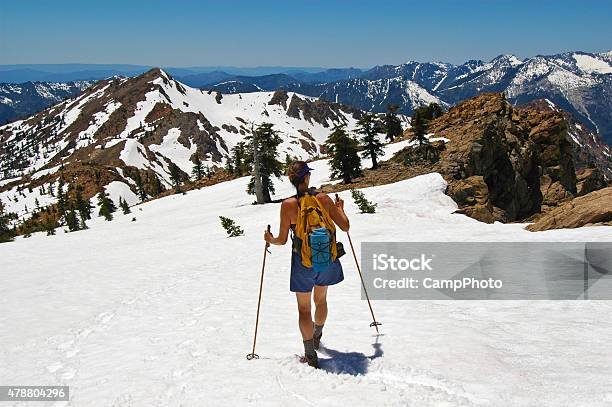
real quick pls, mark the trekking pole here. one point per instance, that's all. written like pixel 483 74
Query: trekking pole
pixel 254 355
pixel 374 323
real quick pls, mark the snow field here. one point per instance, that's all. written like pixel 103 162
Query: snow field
pixel 161 312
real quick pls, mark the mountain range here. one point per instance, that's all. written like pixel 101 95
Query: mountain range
pixel 132 137
pixel 24 99
pixel 578 82
pixel 19 73
pixel 127 131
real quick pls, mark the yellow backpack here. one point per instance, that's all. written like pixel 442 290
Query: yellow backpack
pixel 317 231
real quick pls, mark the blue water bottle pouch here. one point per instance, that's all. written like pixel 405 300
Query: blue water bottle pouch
pixel 320 249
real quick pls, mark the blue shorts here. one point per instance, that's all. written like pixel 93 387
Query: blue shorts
pixel 303 279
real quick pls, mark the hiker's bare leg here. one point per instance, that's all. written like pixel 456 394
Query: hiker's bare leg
pixel 320 300
pixel 303 300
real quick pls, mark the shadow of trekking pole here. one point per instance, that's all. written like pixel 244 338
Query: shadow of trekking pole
pixel 352 363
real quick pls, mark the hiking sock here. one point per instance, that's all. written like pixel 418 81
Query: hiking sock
pixel 317 334
pixel 310 353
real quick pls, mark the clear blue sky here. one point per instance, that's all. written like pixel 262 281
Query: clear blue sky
pixel 295 32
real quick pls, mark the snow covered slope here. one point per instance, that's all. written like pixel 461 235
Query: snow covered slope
pixel 160 312
pixel 125 129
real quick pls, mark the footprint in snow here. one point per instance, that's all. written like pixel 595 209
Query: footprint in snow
pixel 65 345
pixel 186 343
pixel 68 373
pixel 105 317
pixel 191 323
pixel 84 333
pixel 54 367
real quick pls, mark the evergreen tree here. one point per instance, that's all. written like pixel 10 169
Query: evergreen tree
pixel 229 165
pixel 262 148
pixel 198 168
pixel 391 123
pixel 362 203
pixel 124 206
pixel 6 233
pixel 208 171
pixel 83 224
pixel 142 194
pixel 418 127
pixel 158 187
pixel 344 157
pixel 107 207
pixel 288 161
pixel 83 206
pixel 176 176
pixel 61 200
pixel 230 227
pixel 72 220
pixel 239 159
pixel 430 112
pixel 50 225
pixel 373 147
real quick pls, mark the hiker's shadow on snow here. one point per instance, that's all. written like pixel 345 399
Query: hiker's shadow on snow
pixel 353 363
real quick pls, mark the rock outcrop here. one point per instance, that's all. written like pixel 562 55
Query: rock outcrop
pixel 503 163
pixel 589 150
pixel 591 209
pixel 589 180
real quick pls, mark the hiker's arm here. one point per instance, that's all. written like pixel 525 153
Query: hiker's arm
pixel 283 230
pixel 336 211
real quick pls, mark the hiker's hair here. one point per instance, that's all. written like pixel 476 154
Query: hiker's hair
pixel 292 172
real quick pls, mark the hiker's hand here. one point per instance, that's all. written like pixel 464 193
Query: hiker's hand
pixel 339 202
pixel 268 236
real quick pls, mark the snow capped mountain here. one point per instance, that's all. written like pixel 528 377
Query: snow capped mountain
pixel 124 129
pixel 371 94
pixel 24 99
pixel 364 94
pixel 579 82
pixel 591 64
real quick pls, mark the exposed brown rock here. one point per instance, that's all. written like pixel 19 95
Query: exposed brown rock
pixel 280 98
pixel 558 178
pixel 594 208
pixel 588 149
pixel 318 110
pixel 496 156
pixel 472 196
pixel 308 146
pixel 589 180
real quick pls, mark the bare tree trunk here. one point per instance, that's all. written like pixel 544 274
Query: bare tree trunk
pixel 256 169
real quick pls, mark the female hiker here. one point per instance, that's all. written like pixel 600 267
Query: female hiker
pixel 304 280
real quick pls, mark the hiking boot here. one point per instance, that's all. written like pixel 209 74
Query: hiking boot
pixel 310 354
pixel 316 337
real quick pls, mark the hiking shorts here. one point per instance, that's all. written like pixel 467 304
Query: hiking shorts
pixel 303 279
